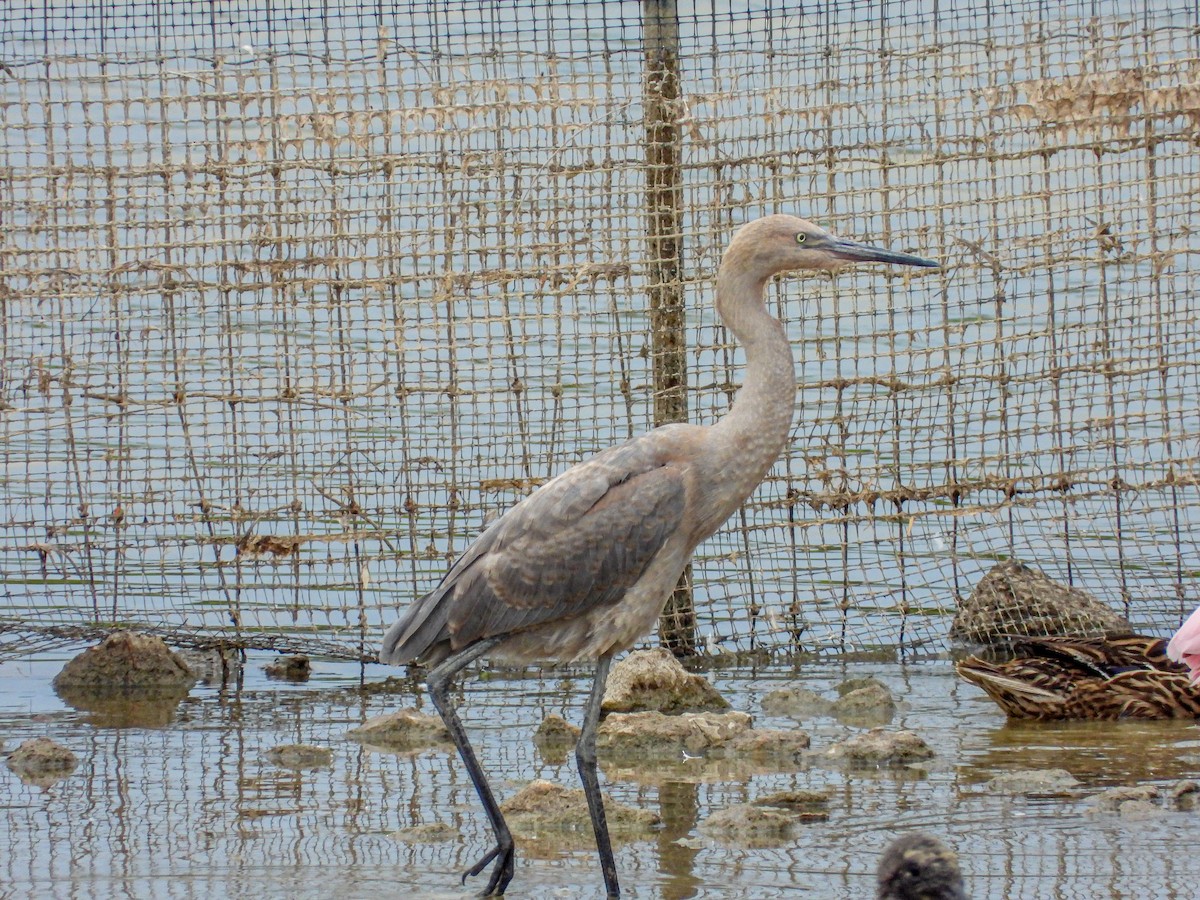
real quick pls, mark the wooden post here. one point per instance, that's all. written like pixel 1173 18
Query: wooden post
pixel 664 207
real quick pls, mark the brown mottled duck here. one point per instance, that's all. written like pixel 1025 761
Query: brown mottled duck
pixel 1127 677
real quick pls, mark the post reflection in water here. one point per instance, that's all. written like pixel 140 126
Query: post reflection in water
pixel 192 801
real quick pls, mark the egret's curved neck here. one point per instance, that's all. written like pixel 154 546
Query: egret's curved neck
pixel 750 437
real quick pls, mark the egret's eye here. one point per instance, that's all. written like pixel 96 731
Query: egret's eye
pixel 801 238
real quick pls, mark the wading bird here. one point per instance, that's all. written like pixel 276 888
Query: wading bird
pixel 1185 645
pixel 919 867
pixel 582 567
pixel 1123 677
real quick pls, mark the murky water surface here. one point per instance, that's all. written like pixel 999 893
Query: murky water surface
pixel 187 806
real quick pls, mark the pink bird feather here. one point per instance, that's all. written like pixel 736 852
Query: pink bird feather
pixel 1185 645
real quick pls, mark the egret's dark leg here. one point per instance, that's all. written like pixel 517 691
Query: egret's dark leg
pixel 438 682
pixel 585 756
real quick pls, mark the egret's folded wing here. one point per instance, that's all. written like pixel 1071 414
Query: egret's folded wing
pixel 580 541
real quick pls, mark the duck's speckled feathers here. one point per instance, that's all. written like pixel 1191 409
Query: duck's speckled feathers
pixel 1121 677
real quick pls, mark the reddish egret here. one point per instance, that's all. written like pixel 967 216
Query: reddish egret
pixel 919 867
pixel 1185 645
pixel 581 568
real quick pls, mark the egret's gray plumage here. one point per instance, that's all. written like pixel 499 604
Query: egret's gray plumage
pixel 581 568
pixel 579 543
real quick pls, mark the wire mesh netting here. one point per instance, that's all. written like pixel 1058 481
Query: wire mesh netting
pixel 295 298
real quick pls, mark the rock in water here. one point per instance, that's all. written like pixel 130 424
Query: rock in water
pixel 543 806
pixel 754 826
pixel 1034 782
pixel 41 761
pixel 290 668
pixel 768 821
pixel 126 661
pixel 654 680
pixel 865 702
pixel 300 756
pixel 796 702
pixel 402 731
pixel 880 747
pixel 767 745
pixel 554 737
pixel 652 735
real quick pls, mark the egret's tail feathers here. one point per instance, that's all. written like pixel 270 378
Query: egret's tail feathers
pixel 420 628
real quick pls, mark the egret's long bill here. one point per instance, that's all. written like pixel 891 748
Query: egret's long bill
pixel 852 251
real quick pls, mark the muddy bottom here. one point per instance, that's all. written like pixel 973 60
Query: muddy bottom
pixel 190 805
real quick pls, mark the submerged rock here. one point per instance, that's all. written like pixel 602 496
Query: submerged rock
pixel 654 680
pixel 1185 796
pixel 652 734
pixel 432 833
pixel 745 823
pixel 402 731
pixel 858 683
pixel 554 738
pixel 212 665
pixel 392 684
pixel 796 702
pixel 1111 800
pixel 556 730
pixel 868 703
pixel 1015 599
pixel 766 744
pixel 1135 801
pixel 296 667
pixel 1139 810
pixel 880 747
pixel 768 821
pixel 543 806
pixel 861 701
pixel 805 805
pixel 126 661
pixel 1036 782
pixel 41 761
pixel 300 756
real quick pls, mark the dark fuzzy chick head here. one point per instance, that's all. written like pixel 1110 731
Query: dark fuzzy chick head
pixel 919 867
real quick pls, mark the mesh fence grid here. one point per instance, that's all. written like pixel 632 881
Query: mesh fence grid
pixel 296 297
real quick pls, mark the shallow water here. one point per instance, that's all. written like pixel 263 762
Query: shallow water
pixel 191 808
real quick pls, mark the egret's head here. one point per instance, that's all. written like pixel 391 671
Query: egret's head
pixel 785 243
